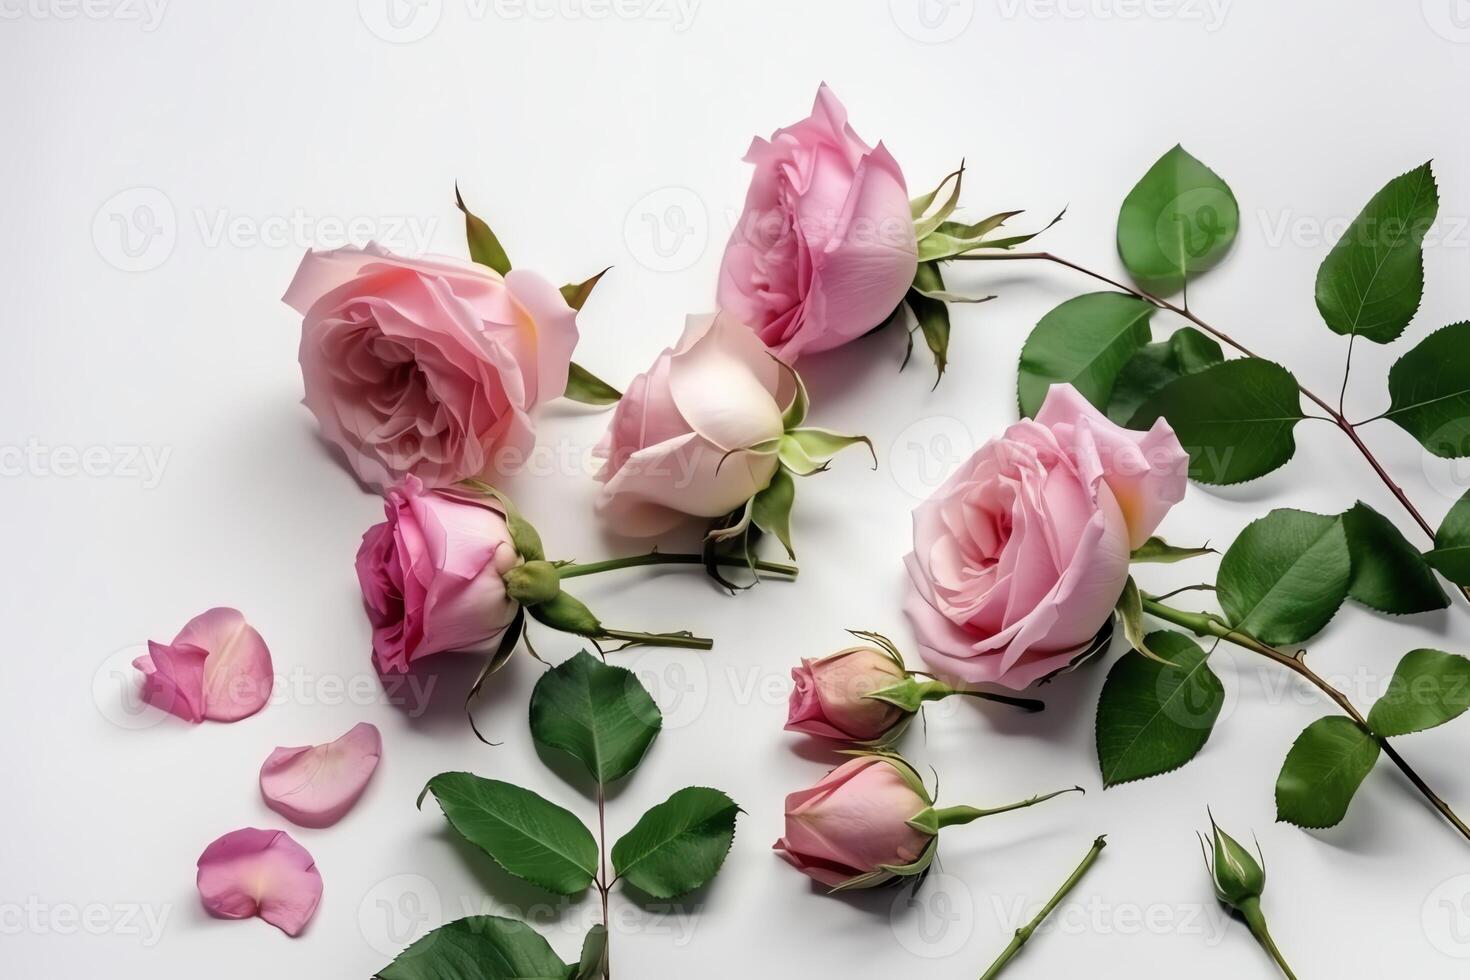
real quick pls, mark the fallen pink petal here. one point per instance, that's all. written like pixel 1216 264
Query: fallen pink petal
pixel 315 785
pixel 173 679
pixel 263 873
pixel 218 667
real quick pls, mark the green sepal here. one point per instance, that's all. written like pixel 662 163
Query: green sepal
pixel 919 205
pixel 931 314
pixel 1157 550
pixel 568 615
pixel 576 293
pixel 770 510
pixel 498 659
pixel 810 450
pixel 532 583
pixel 523 535
pixel 795 413
pixel 587 388
pixel 485 248
pixel 1130 611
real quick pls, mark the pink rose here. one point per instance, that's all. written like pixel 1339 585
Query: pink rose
pixel 432 576
pixel 1021 555
pixel 825 249
pixel 829 696
pixel 667 449
pixel 855 822
pixel 428 367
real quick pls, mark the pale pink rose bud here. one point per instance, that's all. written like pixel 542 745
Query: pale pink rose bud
pixel 825 249
pixel 429 367
pixel 432 575
pixel 1020 557
pixel 830 697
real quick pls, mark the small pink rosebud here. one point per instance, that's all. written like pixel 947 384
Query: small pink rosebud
pixel 830 697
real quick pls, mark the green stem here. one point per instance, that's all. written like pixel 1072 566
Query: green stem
pixel 938 691
pixel 1024 933
pixel 1207 624
pixel 1251 910
pixel 659 558
pixel 955 816
pixel 686 641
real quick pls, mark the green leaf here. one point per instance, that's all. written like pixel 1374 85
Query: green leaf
pixel 1326 765
pixel 679 844
pixel 1371 282
pixel 1285 575
pixel 1451 554
pixel 1178 221
pixel 485 248
pixel 931 314
pixel 771 508
pixel 480 947
pixel 1234 419
pixel 585 387
pixel 1152 717
pixel 1155 365
pixel 1084 342
pixel 599 714
pixel 576 294
pixel 524 833
pixel 1389 574
pixel 1158 551
pixel 593 964
pixel 1428 688
pixel 1429 391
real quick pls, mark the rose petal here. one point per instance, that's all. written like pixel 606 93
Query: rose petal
pixel 238 675
pixel 173 679
pixel 725 382
pixel 316 785
pixel 260 872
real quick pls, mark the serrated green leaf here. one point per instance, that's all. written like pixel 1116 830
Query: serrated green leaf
pixel 771 509
pixel 1451 554
pixel 526 834
pixel 599 714
pixel 931 314
pixel 1429 392
pixel 1084 342
pixel 1186 351
pixel 1371 282
pixel 585 387
pixel 679 844
pixel 1285 575
pixel 1235 419
pixel 1152 717
pixel 480 947
pixel 1158 551
pixel 1177 222
pixel 1326 765
pixel 1429 688
pixel 485 248
pixel 1389 574
pixel 593 964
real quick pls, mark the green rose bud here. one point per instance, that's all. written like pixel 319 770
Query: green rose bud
pixel 533 583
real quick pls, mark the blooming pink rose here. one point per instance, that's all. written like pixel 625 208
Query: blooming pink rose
pixel 854 822
pixel 1021 555
pixel 825 248
pixel 431 575
pixel 666 450
pixel 829 701
pixel 429 366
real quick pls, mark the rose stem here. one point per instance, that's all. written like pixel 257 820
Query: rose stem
pixel 1024 933
pixel 1251 910
pixel 659 558
pixel 954 816
pixel 1206 624
pixel 1335 416
pixel 938 690
pixel 603 885
pixel 686 641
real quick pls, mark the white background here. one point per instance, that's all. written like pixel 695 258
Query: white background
pixel 163 172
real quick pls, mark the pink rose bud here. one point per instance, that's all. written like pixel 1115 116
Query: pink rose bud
pixel 825 249
pixel 432 575
pixel 1020 557
pixel 831 696
pixel 429 367
pixel 869 821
